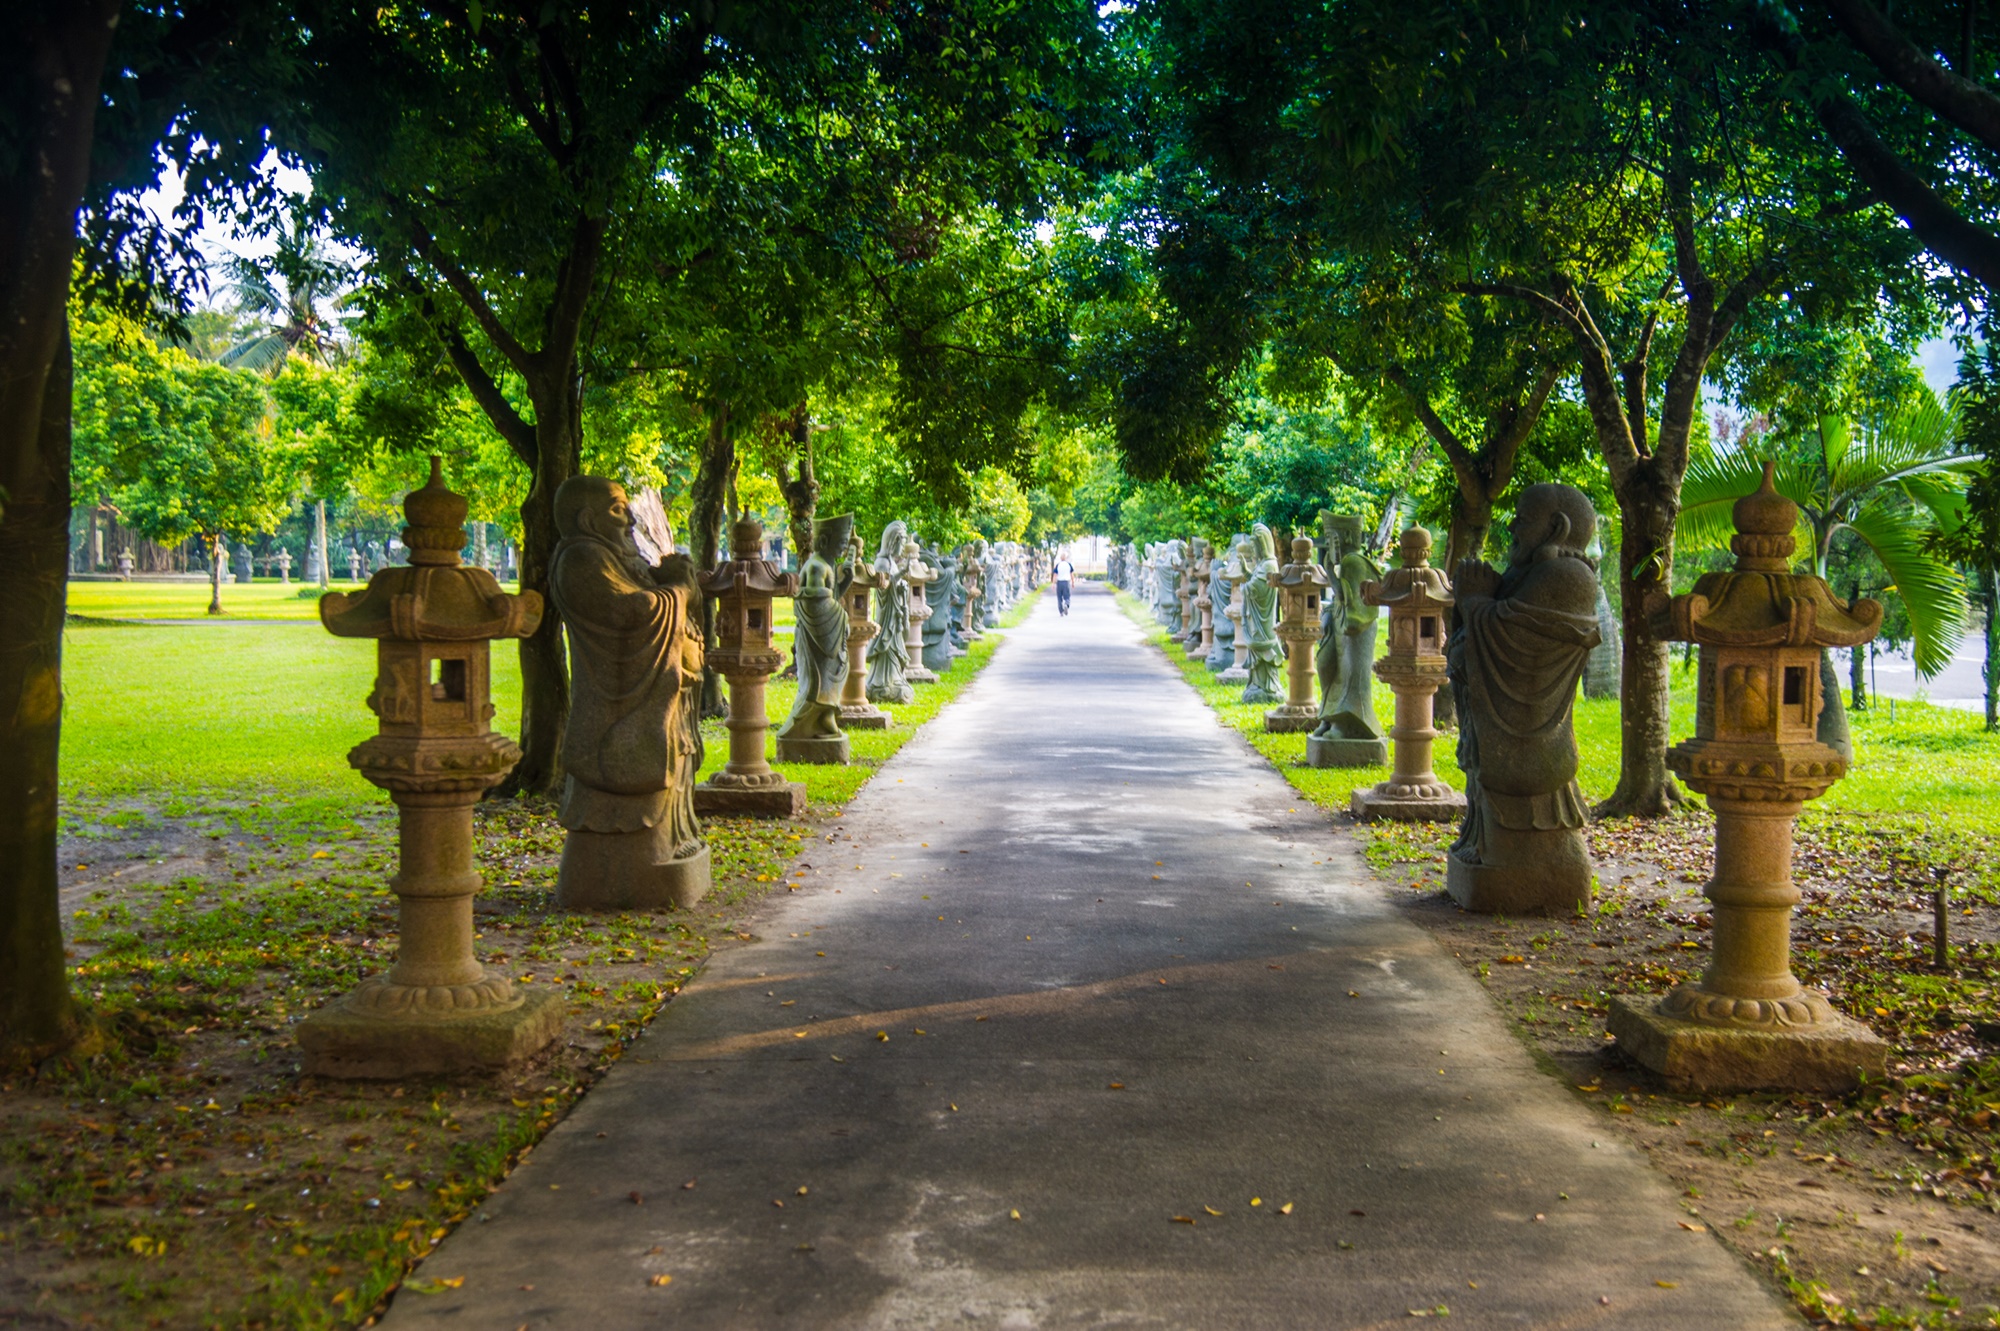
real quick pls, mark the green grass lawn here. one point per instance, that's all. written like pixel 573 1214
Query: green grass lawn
pixel 224 712
pixel 1930 762
pixel 265 599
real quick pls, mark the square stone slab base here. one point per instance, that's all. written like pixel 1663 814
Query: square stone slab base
pixel 1556 883
pixel 1234 675
pixel 1696 1057
pixel 340 1042
pixel 621 871
pixel 1335 751
pixel 1367 805
pixel 833 749
pixel 781 801
pixel 865 717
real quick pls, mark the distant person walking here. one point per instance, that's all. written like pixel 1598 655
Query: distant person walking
pixel 1064 572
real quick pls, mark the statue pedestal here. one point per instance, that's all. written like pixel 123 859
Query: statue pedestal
pixel 832 751
pixel 783 799
pixel 1831 1055
pixel 1532 873
pixel 343 1040
pixel 1336 751
pixel 1291 718
pixel 628 871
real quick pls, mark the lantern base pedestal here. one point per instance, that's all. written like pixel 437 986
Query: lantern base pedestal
pixel 1399 805
pixel 1533 873
pixel 1337 751
pixel 786 800
pixel 342 1041
pixel 864 716
pixel 626 871
pixel 832 750
pixel 1291 718
pixel 1829 1055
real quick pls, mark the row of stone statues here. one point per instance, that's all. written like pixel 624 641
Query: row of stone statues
pixel 1513 643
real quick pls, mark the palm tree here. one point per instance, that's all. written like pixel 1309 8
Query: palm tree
pixel 296 297
pixel 1891 487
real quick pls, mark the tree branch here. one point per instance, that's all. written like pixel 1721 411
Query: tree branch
pixel 1955 97
pixel 463 287
pixel 507 422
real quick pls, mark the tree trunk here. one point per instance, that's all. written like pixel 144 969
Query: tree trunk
pixel 1646 507
pixel 705 503
pixel 1989 584
pixel 215 558
pixel 37 1014
pixel 319 540
pixel 801 492
pixel 544 662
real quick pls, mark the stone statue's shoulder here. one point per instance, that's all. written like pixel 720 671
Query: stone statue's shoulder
pixel 1563 583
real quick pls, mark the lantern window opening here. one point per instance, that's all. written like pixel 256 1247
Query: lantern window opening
pixel 447 679
pixel 1428 626
pixel 756 617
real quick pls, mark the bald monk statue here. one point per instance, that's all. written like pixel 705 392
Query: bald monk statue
pixel 1518 646
pixel 632 745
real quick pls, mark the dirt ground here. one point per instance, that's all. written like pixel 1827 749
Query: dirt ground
pixel 1874 1210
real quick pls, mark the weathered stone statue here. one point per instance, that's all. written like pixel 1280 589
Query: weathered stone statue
pixel 1518 644
pixel 993 583
pixel 938 652
pixel 889 653
pixel 632 745
pixel 1201 641
pixel 1260 620
pixel 1221 592
pixel 1348 733
pixel 1603 673
pixel 972 575
pixel 1418 600
pixel 811 734
pixel 1171 562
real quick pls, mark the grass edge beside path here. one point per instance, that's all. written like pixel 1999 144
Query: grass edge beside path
pixel 189 1176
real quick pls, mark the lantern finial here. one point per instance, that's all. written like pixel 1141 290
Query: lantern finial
pixel 1764 521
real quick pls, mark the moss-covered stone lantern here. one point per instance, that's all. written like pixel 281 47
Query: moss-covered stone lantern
pixel 1748 1022
pixel 745 588
pixel 1301 588
pixel 1419 600
pixel 437 1009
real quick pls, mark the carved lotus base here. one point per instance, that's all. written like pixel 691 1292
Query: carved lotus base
pixel 349 1039
pixel 1408 802
pixel 1691 1002
pixel 864 716
pixel 382 996
pixel 1291 717
pixel 1830 1054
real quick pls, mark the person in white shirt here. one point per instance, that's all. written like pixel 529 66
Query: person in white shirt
pixel 1064 572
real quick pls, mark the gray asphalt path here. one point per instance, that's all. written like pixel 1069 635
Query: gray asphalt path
pixel 1127 981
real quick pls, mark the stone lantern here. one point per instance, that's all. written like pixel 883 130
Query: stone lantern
pixel 125 564
pixel 1301 586
pixel 1748 1023
pixel 284 563
pixel 436 1010
pixel 920 576
pixel 1418 599
pixel 744 588
pixel 856 712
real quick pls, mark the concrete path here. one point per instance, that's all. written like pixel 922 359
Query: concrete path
pixel 1125 978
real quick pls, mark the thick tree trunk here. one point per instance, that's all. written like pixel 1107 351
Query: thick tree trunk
pixel 705 505
pixel 319 541
pixel 544 662
pixel 1647 509
pixel 37 1014
pixel 1989 585
pixel 215 561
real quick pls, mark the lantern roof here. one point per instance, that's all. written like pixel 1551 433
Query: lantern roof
pixel 1761 602
pixel 433 598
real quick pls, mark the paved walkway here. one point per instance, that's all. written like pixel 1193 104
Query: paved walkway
pixel 1125 976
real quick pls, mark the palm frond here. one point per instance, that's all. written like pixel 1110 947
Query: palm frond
pixel 258 354
pixel 1931 589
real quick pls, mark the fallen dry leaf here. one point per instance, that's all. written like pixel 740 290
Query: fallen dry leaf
pixel 661 1280
pixel 1183 1220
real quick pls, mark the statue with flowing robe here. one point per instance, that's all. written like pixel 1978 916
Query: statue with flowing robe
pixel 819 636
pixel 889 652
pixel 632 744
